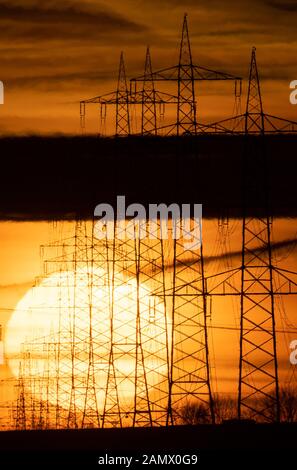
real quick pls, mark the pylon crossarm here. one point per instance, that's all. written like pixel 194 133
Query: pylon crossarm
pixel 100 99
pixel 287 285
pixel 220 285
pixel 96 99
pixel 213 128
pixel 162 97
pixel 172 73
pixel 279 124
pixel 169 73
pixel 134 98
pixel 223 284
pixel 228 125
pixel 220 288
pixel 203 73
pixel 158 98
pixel 116 98
pixel 289 128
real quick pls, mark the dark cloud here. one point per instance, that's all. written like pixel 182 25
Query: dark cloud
pixel 66 13
pixel 226 5
pixel 290 6
pixel 238 31
pixel 58 81
pixel 66 20
pixel 278 248
pixel 71 45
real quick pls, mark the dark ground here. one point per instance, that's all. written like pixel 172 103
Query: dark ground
pixel 224 436
pixel 250 443
pixel 59 177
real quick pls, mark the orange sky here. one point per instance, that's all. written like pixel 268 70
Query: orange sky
pixel 53 54
pixel 20 263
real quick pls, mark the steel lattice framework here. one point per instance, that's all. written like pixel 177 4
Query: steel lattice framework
pixel 261 281
pixel 185 74
pixel 190 368
pixel 126 327
pixel 124 99
pixel 254 120
pixel 122 103
pixel 258 369
pixel 148 112
pixel 130 347
pixel 186 110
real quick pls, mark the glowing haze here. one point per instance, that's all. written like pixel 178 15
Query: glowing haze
pixel 58 309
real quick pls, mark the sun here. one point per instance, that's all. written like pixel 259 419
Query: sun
pixel 77 331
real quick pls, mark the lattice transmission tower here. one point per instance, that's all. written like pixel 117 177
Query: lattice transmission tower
pixel 258 282
pixel 258 367
pixel 185 74
pixel 151 101
pixel 190 381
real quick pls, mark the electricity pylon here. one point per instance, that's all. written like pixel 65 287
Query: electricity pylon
pixel 119 98
pixel 122 102
pixel 189 371
pixel 185 74
pixel 258 282
pixel 186 110
pixel 123 99
pixel 106 361
pixel 148 114
pixel 254 120
pixel 258 368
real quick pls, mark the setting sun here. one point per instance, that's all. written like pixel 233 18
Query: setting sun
pixel 85 315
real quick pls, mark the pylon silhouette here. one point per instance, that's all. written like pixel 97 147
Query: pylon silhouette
pixel 149 117
pixel 258 374
pixel 122 102
pixel 186 112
